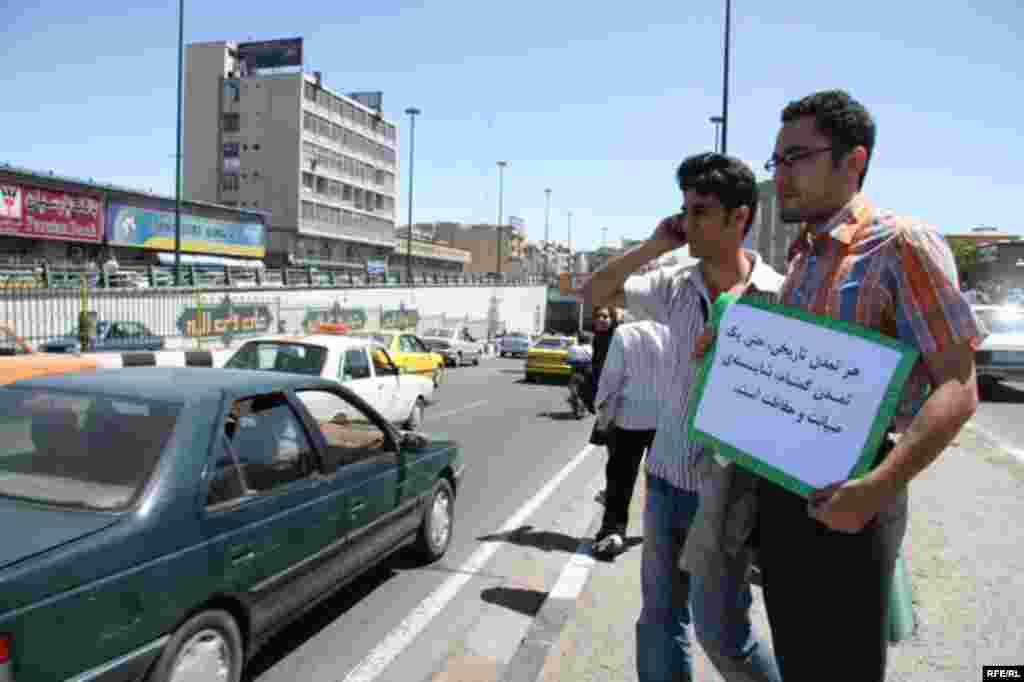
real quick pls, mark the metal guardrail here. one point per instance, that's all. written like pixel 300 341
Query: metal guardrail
pixel 66 316
pixel 49 277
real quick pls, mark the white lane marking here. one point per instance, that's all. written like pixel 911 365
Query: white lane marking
pixel 574 576
pixel 398 639
pixel 1016 452
pixel 449 413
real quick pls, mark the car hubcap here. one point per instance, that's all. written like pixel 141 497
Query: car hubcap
pixel 440 519
pixel 205 656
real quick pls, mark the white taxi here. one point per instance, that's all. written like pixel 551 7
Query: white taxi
pixel 361 365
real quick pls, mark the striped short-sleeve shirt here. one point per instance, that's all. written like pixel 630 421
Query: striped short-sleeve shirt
pixel 677 298
pixel 890 273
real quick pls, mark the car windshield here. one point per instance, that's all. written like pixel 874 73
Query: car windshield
pixel 280 356
pixel 442 333
pixel 552 344
pixel 1003 321
pixel 79 450
pixel 517 337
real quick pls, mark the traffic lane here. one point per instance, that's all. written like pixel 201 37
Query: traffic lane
pixel 515 439
pixel 999 415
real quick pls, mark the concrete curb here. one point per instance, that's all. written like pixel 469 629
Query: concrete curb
pixel 528 662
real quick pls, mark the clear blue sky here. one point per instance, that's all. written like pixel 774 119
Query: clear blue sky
pixel 598 101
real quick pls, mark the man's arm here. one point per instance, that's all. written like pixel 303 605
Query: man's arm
pixel 606 287
pixel 947 409
pixel 851 505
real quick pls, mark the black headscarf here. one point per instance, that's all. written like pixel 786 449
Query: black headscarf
pixel 602 340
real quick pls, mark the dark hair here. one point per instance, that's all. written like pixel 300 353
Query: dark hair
pixel 724 177
pixel 840 118
pixel 613 313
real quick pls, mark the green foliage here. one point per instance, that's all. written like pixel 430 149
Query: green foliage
pixel 966 254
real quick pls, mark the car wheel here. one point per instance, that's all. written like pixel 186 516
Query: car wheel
pixel 502 354
pixel 476 360
pixel 530 378
pixel 415 420
pixel 207 646
pixel 436 528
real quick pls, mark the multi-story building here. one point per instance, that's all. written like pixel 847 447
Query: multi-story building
pixel 481 241
pixel 769 235
pixel 426 254
pixel 322 163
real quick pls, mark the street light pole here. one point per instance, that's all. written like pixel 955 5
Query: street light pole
pixel 177 170
pixel 717 121
pixel 725 78
pixel 571 263
pixel 501 175
pixel 547 231
pixel 413 112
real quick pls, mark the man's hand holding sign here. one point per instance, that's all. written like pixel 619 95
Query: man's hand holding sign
pixel 802 400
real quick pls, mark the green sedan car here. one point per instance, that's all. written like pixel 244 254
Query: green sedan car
pixel 160 523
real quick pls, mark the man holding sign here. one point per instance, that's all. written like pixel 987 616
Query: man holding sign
pixel 828 551
pixel 720 194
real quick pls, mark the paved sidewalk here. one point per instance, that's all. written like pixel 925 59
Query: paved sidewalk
pixel 965 557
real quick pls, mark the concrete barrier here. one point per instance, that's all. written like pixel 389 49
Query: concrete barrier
pixel 168 358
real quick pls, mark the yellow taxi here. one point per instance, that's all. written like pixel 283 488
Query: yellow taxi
pixel 18 360
pixel 408 352
pixel 549 357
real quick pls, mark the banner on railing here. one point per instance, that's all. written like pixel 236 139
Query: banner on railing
pixel 225 317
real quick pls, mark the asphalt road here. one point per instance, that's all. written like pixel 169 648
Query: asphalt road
pixel 516 438
pixel 1001 418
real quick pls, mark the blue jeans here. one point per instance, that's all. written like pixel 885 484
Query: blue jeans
pixel 720 602
pixel 662 637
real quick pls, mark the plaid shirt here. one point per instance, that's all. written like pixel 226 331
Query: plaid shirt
pixel 893 274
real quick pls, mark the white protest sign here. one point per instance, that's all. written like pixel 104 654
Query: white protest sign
pixel 801 399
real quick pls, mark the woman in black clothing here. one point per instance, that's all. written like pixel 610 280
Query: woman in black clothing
pixel 605 320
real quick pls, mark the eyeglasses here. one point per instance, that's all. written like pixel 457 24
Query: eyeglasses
pixel 789 159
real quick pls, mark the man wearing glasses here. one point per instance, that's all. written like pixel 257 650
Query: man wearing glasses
pixel 720 196
pixel 831 561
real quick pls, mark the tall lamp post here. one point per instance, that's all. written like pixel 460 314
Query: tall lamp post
pixel 177 170
pixel 717 121
pixel 413 112
pixel 547 231
pixel 725 79
pixel 571 261
pixel 501 189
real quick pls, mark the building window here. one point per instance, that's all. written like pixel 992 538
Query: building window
pixel 307 182
pixel 232 123
pixel 229 183
pixel 310 92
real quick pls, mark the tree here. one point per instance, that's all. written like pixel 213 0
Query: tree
pixel 965 252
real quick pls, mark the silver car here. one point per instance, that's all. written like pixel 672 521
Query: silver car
pixel 514 344
pixel 1001 356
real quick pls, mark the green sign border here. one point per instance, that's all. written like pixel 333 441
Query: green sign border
pixel 882 418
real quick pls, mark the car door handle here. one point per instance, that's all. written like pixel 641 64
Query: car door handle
pixel 243 558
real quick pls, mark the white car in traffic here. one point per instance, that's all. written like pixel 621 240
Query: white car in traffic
pixel 361 365
pixel 1001 356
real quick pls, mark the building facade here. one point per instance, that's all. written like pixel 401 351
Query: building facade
pixel 426 254
pixel 323 164
pixel 72 222
pixel 768 235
